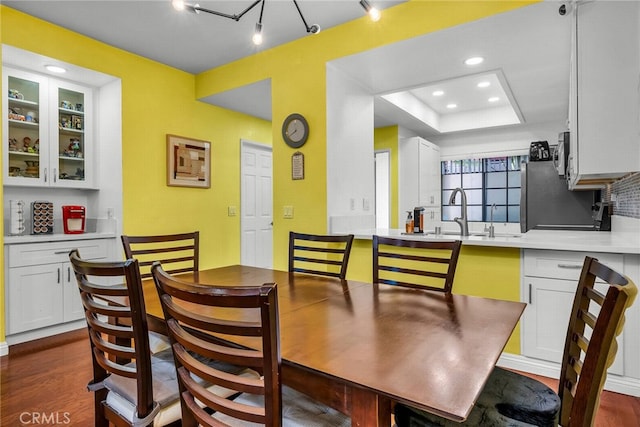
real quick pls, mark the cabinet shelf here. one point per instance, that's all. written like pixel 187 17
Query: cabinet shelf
pixel 73 159
pixel 23 124
pixel 71 131
pixel 24 154
pixel 16 101
pixel 70 112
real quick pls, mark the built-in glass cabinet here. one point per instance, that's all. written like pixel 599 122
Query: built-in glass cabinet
pixel 47 131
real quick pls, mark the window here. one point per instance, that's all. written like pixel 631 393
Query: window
pixel 491 182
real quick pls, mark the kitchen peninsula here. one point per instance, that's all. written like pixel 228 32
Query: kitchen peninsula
pixel 540 268
pixel 622 242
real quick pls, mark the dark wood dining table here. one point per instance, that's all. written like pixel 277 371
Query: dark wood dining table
pixel 358 346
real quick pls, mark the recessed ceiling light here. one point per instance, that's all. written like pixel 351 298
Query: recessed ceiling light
pixel 438 93
pixel 474 60
pixel 452 106
pixel 484 84
pixel 55 69
pixel 494 99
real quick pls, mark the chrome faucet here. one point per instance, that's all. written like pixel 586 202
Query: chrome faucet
pixel 462 222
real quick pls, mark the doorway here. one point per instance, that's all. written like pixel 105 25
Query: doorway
pixel 383 187
pixel 256 210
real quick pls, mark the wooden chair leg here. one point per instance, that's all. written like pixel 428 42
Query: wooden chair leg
pixel 99 396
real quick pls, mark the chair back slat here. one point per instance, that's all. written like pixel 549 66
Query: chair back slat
pixel 422 264
pixel 596 320
pixel 325 255
pixel 195 336
pixel 178 253
pixel 118 332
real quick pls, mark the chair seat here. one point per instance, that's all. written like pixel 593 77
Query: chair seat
pixel 508 399
pixel 122 391
pixel 298 410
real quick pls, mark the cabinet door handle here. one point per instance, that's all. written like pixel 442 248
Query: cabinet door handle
pixel 45 174
pixel 55 175
pixel 570 266
pixel 68 274
pixel 58 274
pixel 61 252
pixel 530 292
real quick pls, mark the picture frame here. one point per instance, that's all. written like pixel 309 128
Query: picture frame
pixel 188 162
pixel 297 166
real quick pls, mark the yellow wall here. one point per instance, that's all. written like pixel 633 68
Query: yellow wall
pixel 158 100
pixel 298 78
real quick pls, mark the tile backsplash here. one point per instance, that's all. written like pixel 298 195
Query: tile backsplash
pixel 627 193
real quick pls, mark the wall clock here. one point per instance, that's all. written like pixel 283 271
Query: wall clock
pixel 295 130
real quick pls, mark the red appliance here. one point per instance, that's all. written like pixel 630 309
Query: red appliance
pixel 73 218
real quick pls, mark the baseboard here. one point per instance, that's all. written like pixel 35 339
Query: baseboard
pixel 615 383
pixel 4 348
pixel 45 332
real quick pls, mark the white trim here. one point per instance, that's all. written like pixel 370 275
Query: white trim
pixel 45 332
pixel 4 348
pixel 615 383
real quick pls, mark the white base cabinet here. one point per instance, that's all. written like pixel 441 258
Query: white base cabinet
pixel 41 289
pixel 550 279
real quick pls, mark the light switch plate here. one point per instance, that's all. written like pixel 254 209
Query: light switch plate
pixel 288 212
pixel 231 211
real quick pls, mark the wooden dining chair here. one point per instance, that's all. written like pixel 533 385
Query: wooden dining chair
pixel 512 399
pixel 252 339
pixel 132 386
pixel 326 255
pixel 424 264
pixel 178 253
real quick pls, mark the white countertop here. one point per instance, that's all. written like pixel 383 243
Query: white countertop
pixel 625 242
pixel 57 237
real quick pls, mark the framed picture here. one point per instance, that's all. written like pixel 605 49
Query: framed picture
pixel 188 162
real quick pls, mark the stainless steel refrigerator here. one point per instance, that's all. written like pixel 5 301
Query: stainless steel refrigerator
pixel 547 203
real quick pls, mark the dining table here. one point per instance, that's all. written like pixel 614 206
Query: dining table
pixel 360 347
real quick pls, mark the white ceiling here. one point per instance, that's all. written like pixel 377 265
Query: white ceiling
pixel 188 41
pixel 528 48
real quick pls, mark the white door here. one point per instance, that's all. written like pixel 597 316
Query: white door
pixel 256 222
pixel 383 190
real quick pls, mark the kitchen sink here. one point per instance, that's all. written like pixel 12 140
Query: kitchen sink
pixel 482 234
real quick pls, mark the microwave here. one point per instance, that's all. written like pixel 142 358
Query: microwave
pixel 561 156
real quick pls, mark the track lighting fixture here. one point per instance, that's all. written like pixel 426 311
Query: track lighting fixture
pixel 180 5
pixel 373 12
pixel 257 39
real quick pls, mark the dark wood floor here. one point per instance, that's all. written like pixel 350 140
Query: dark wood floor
pixel 44 383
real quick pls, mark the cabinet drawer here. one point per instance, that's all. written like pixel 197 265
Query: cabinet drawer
pixel 564 264
pixel 54 252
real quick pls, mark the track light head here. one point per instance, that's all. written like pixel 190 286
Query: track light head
pixel 180 5
pixel 373 12
pixel 257 35
pixel 314 29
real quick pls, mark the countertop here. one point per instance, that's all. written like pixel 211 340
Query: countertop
pixel 57 237
pixel 624 242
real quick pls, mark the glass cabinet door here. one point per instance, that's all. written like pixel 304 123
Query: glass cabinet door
pixel 71 149
pixel 25 130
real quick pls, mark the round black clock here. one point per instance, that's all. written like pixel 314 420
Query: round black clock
pixel 295 130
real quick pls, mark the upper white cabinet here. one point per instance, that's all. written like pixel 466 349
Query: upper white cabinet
pixel 419 178
pixel 604 116
pixel 48 132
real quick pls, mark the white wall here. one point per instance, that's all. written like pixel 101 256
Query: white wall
pixel 350 161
